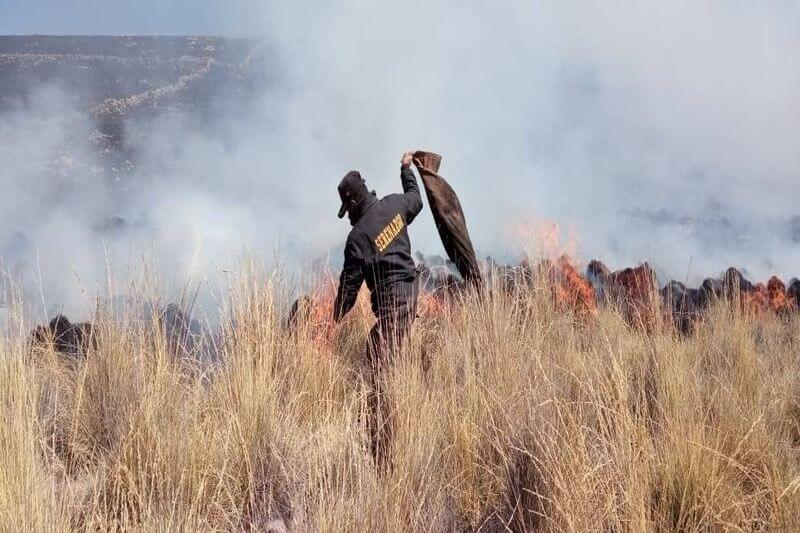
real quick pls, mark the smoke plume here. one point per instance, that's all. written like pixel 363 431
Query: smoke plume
pixel 662 132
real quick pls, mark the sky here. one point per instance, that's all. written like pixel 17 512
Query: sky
pixel 114 17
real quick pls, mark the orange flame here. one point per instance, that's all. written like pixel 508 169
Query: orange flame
pixel 571 291
pixel 320 318
pixel 779 302
pixel 771 297
pixel 755 302
pixel 542 239
pixel 315 311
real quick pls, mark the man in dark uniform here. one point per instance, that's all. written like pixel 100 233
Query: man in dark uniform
pixel 378 251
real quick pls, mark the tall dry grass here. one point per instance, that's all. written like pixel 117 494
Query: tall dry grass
pixel 509 415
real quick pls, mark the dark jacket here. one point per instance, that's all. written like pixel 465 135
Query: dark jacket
pixel 378 251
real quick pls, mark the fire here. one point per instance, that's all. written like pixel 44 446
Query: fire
pixel 314 311
pixel 432 304
pixel 779 302
pixel 542 240
pixel 634 291
pixel 756 301
pixel 320 316
pixel 770 297
pixel 571 291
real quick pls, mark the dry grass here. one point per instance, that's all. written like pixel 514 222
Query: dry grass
pixel 520 418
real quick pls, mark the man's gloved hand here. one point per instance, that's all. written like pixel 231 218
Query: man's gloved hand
pixel 408 157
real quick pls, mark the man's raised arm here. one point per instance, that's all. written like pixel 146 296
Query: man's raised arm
pixel 410 188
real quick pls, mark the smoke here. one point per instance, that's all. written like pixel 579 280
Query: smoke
pixel 602 117
pixel 662 133
pixel 584 114
pixel 45 212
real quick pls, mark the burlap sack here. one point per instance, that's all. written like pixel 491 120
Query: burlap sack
pixel 449 217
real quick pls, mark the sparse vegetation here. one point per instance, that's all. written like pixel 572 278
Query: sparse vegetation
pixel 509 414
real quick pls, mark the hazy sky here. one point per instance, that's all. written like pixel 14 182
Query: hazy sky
pixel 115 17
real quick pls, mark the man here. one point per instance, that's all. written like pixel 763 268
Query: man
pixel 378 251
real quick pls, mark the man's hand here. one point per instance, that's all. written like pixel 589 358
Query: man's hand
pixel 408 157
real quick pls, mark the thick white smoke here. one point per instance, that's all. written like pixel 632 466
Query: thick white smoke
pixel 656 132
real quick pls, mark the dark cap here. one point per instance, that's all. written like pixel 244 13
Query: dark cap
pixel 351 189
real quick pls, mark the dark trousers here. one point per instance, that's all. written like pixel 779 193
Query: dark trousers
pixel 385 341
